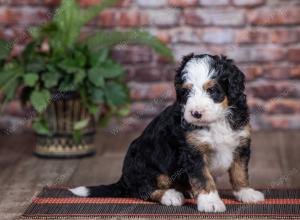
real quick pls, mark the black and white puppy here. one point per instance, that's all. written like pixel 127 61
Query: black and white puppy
pixel 204 134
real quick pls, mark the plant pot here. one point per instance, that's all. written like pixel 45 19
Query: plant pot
pixel 62 113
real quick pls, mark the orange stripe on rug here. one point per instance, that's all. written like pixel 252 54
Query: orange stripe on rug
pixel 138 201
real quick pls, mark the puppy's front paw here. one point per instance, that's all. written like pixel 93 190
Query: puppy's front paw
pixel 210 202
pixel 172 197
pixel 249 195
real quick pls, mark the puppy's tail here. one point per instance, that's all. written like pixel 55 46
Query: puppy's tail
pixel 113 190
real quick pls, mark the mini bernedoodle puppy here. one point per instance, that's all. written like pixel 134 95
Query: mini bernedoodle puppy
pixel 203 135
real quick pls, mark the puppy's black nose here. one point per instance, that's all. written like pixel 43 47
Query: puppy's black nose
pixel 196 114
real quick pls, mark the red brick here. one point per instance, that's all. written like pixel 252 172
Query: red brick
pixel 132 54
pixel 153 91
pixel 294 54
pixel 14 108
pixel 256 54
pixel 148 109
pixel 21 2
pixel 256 106
pixel 151 3
pixel 163 36
pixel 284 36
pixel 275 16
pixel 248 3
pixel 268 90
pixel 251 36
pixel 107 18
pixel 151 74
pixel 51 2
pixel 183 3
pixel 295 72
pixel 217 36
pixel 132 19
pixel 281 121
pixel 214 2
pixel 185 35
pixel 121 3
pixel 276 72
pixel 164 17
pixel 23 16
pixel 181 50
pixel 218 17
pixel 252 72
pixel 283 106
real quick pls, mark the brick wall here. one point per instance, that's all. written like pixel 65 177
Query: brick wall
pixel 263 36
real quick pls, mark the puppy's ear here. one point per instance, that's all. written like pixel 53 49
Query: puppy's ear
pixel 235 81
pixel 181 93
pixel 186 58
pixel 236 84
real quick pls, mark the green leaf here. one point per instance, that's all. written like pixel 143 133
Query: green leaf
pixel 7 77
pixel 95 77
pixel 30 79
pixel 77 136
pixel 50 79
pixel 9 92
pixel 40 99
pixel 80 59
pixel 5 49
pixel 79 77
pixel 9 81
pixel 97 95
pixel 66 85
pixel 92 108
pixel 36 66
pixel 124 111
pixel 69 22
pixel 40 126
pixel 69 65
pixel 99 57
pixel 110 39
pixel 110 70
pixel 81 124
pixel 116 94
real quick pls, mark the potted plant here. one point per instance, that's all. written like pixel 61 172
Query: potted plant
pixel 69 79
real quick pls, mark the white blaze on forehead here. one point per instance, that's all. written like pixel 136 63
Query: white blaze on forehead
pixel 198 71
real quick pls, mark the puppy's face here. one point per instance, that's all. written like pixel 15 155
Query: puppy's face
pixel 204 87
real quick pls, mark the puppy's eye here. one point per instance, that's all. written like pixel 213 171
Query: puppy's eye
pixel 212 90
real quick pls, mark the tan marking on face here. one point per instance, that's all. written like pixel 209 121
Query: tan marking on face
pixel 163 181
pixel 225 103
pixel 188 86
pixel 209 84
pixel 238 174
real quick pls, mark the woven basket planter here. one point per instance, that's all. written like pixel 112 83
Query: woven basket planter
pixel 63 112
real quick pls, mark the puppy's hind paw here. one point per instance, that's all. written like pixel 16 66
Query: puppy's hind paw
pixel 249 195
pixel 210 202
pixel 172 197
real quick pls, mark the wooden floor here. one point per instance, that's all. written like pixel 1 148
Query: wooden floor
pixel 275 162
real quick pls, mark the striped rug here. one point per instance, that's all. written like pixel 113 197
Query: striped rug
pixel 58 203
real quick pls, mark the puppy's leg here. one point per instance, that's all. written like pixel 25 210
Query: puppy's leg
pixel 165 194
pixel 168 197
pixel 238 173
pixel 202 183
pixel 208 199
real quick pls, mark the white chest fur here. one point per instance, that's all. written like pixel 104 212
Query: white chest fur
pixel 223 141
